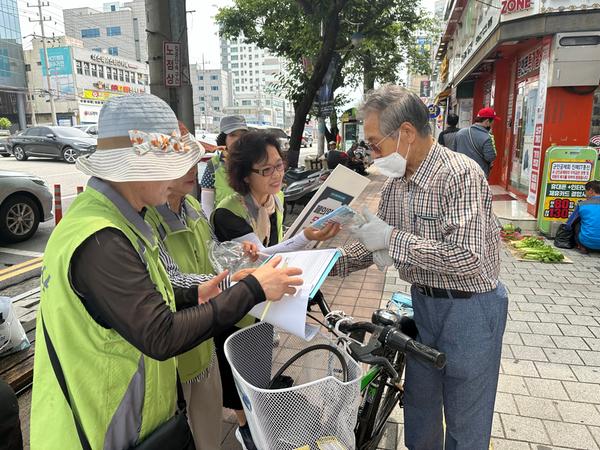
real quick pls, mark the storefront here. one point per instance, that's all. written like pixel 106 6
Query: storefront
pixel 81 81
pixel 542 86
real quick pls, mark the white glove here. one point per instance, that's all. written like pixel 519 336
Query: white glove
pixel 375 234
pixel 382 259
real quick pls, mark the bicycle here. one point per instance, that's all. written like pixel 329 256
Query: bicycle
pixel 317 386
pixel 391 337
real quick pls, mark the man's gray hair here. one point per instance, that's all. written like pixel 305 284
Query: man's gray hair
pixel 396 105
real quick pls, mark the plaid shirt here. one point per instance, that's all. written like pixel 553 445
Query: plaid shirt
pixel 445 233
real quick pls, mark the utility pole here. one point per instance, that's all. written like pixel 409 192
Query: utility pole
pixel 167 22
pixel 41 21
pixel 205 95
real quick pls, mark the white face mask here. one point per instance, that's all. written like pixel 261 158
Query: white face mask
pixel 394 164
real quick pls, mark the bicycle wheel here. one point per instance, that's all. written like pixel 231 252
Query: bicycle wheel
pixel 381 397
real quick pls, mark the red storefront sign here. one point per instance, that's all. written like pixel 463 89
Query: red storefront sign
pixel 513 6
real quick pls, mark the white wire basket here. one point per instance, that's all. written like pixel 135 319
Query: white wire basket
pixel 318 411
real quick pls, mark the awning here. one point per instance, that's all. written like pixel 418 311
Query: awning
pixel 442 95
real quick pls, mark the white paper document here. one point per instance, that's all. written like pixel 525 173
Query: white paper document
pixel 289 313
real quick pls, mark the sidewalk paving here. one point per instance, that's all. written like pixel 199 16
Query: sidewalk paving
pixel 549 388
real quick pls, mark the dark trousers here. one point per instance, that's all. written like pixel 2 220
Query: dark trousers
pixel 231 399
pixel 470 332
pixel 10 424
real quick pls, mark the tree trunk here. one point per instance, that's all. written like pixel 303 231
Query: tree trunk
pixel 301 110
pixel 368 73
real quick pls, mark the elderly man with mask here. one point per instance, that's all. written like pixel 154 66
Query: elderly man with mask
pixel 110 323
pixel 435 225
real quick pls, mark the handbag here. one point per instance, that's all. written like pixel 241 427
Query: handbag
pixel 174 434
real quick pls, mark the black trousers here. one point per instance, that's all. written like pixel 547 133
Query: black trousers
pixel 10 424
pixel 231 399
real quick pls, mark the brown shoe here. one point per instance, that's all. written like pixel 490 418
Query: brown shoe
pixel 581 249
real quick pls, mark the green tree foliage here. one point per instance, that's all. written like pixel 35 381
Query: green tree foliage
pixel 5 124
pixel 306 33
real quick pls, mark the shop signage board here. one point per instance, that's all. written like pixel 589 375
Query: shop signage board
pixel 566 170
pixel 539 125
pixel 517 9
pixel 89 113
pixel 172 67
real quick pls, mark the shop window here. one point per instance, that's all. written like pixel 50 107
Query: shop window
pixel 126 73
pixel 86 68
pixel 78 67
pixel 109 73
pixel 94 70
pixel 121 77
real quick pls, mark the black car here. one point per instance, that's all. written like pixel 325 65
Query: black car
pixel 66 143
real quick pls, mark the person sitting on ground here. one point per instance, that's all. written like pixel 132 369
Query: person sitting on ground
pixel 584 221
pixel 446 137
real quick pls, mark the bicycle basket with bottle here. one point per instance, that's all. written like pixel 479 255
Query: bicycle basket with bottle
pixel 296 394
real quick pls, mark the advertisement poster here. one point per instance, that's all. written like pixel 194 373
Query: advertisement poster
pixel 565 186
pixel 60 71
pixel 341 188
pixel 539 126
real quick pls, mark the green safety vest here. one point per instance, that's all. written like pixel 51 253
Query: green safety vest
pixel 222 188
pixel 237 205
pixel 119 395
pixel 187 247
pixel 244 207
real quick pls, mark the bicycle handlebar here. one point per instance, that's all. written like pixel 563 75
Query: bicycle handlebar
pixel 401 342
pixel 387 335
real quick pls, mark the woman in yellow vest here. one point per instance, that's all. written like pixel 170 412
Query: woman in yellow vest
pixel 215 184
pixel 183 231
pixel 255 214
pixel 109 323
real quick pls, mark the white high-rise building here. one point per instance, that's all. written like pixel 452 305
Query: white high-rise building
pixel 118 30
pixel 252 74
pixel 212 96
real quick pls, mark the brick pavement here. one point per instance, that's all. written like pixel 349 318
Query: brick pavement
pixel 549 388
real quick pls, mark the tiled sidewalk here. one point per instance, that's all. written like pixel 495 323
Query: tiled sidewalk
pixel 549 388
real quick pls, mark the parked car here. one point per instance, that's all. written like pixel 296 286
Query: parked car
pixel 66 143
pixel 4 147
pixel 307 140
pixel 284 139
pixel 91 129
pixel 25 201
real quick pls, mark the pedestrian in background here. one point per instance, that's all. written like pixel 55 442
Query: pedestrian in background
pixel 477 141
pixel 214 184
pixel 436 226
pixel 446 137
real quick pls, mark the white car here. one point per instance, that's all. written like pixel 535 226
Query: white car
pixel 89 129
pixel 25 201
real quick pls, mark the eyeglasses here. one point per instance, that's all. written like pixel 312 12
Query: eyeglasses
pixel 268 171
pixel 375 147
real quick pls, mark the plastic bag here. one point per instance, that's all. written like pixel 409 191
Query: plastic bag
pixel 564 237
pixel 344 215
pixel 401 304
pixel 12 334
pixel 229 255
